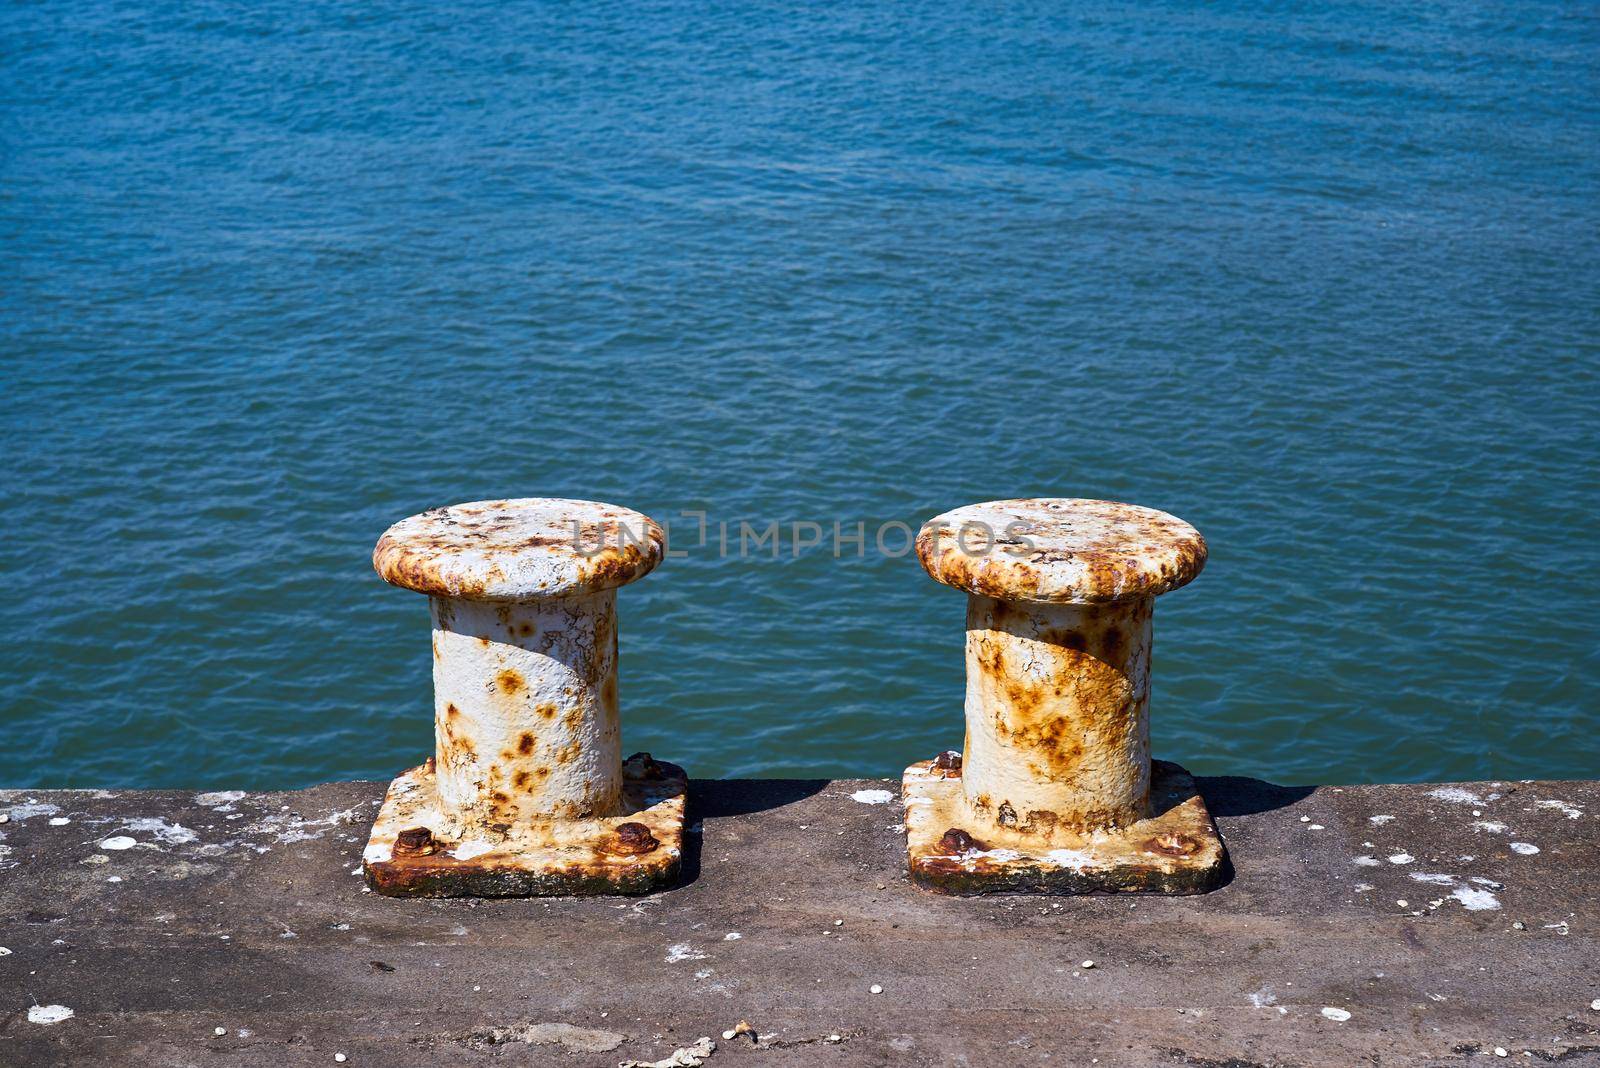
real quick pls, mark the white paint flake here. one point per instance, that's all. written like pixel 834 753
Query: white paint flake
pixel 1380 820
pixel 1401 858
pixel 49 1014
pixel 682 951
pixel 1567 809
pixel 30 809
pixel 1527 849
pixel 1475 900
pixel 171 833
pixel 287 828
pixel 1338 1015
pixel 119 841
pixel 1492 826
pixel 1456 795
pixel 468 850
pixel 1076 859
pixel 873 797
pixel 687 1057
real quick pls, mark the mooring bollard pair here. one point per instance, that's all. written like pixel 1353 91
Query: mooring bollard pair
pixel 528 794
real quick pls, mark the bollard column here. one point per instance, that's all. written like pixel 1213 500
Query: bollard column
pixel 1055 790
pixel 527 792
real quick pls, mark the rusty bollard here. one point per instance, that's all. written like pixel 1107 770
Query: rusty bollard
pixel 1055 791
pixel 527 792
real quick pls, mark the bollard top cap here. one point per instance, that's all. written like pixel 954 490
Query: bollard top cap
pixel 527 549
pixel 1061 550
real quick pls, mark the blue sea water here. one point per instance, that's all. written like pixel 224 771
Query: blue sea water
pixel 1322 279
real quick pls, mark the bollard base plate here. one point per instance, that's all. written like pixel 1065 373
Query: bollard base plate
pixel 580 857
pixel 1175 851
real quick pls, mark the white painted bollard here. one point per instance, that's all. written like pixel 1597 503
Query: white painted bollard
pixel 1055 788
pixel 527 792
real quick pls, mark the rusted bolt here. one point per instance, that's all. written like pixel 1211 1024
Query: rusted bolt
pixel 1058 653
pixel 648 768
pixel 957 841
pixel 634 838
pixel 949 760
pixel 415 842
pixel 1172 845
pixel 523 601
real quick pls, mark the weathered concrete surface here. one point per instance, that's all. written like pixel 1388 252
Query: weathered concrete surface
pixel 247 913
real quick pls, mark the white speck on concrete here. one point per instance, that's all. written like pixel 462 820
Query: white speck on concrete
pixel 1401 858
pixel 874 989
pixel 59 821
pixel 687 1057
pixel 872 797
pixel 1566 808
pixel 1595 1004
pixel 1368 862
pixel 1437 880
pixel 732 936
pixel 171 833
pixel 1380 820
pixel 113 878
pixel 1087 964
pixel 1500 1051
pixel 1492 826
pixel 220 1031
pixel 1456 795
pixel 1339 1015
pixel 1527 849
pixel 120 841
pixel 1315 827
pixel 683 951
pixel 340 1057
pixel 4 952
pixel 287 828
pixel 49 1014
pixel 30 809
pixel 1475 900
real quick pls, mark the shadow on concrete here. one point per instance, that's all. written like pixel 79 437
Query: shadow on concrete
pixel 1238 795
pixel 740 797
pixel 736 797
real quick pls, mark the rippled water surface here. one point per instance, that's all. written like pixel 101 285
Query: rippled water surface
pixel 1322 279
